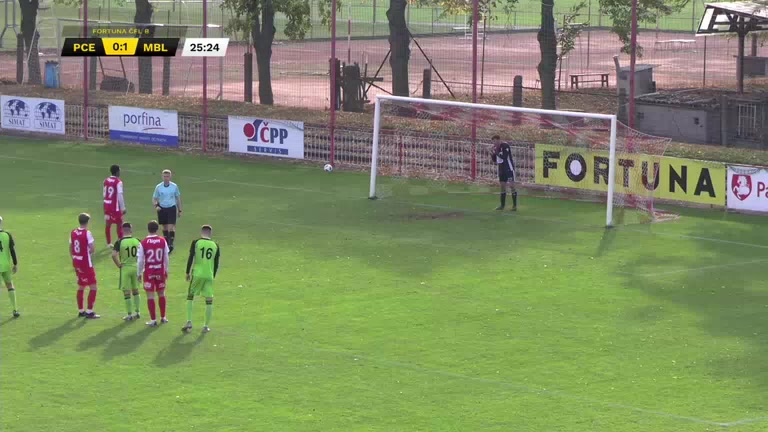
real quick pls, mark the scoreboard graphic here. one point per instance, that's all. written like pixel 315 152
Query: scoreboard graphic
pixel 140 42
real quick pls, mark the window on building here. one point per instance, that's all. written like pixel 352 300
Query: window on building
pixel 748 121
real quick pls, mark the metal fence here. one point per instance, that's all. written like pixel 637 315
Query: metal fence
pixel 300 69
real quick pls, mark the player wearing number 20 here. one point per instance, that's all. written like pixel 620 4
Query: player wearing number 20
pixel 153 264
pixel 202 267
pixel 125 258
pixel 114 204
pixel 81 248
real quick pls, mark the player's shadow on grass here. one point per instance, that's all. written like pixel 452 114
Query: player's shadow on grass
pixel 102 254
pixel 6 321
pixel 101 337
pixel 119 346
pixel 51 336
pixel 177 351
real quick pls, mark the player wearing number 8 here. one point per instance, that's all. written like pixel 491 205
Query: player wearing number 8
pixel 80 249
pixel 153 264
pixel 202 267
pixel 125 257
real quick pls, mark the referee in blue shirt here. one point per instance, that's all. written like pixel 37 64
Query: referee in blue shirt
pixel 167 201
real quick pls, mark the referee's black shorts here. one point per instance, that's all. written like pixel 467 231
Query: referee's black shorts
pixel 167 216
pixel 506 174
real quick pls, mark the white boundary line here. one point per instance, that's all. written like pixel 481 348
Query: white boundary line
pixel 694 269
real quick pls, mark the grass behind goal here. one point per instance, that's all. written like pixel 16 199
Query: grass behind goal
pixel 334 312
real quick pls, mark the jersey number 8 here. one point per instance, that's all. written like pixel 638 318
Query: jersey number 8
pixel 76 246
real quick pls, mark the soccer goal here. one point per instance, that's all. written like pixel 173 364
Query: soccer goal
pixel 425 144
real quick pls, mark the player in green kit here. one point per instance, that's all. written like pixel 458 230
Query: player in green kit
pixel 202 266
pixel 125 256
pixel 8 265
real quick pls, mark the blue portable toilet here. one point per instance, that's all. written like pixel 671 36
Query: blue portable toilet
pixel 52 74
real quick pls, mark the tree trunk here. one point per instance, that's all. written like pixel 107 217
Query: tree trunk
pixel 143 15
pixel 31 38
pixel 263 34
pixel 399 43
pixel 548 47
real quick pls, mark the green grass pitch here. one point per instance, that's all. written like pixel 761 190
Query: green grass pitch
pixel 337 313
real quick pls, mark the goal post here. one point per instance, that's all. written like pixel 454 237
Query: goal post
pixel 416 138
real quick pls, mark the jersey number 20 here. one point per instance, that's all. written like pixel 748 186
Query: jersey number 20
pixel 155 255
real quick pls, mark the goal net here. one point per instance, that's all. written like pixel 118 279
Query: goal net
pixel 436 152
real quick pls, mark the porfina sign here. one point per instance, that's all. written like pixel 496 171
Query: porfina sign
pixel 678 179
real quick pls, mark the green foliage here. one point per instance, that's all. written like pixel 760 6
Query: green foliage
pixel 648 11
pixel 570 30
pixel 297 13
pixel 464 7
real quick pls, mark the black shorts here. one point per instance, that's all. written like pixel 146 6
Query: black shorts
pixel 506 174
pixel 167 216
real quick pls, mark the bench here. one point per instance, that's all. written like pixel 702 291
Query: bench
pixel 583 78
pixel 467 30
pixel 674 44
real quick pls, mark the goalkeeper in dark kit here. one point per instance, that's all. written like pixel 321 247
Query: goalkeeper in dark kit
pixel 502 156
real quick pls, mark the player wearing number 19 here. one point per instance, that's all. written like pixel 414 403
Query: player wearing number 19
pixel 8 265
pixel 125 258
pixel 202 267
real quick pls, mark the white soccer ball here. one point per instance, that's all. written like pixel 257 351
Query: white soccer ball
pixel 328 168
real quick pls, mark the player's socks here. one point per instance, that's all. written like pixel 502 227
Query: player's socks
pixel 514 199
pixel 80 301
pixel 136 302
pixel 108 232
pixel 151 307
pixel 12 296
pixel 91 299
pixel 503 198
pixel 190 304
pixel 208 312
pixel 119 231
pixel 166 235
pixel 161 302
pixel 128 304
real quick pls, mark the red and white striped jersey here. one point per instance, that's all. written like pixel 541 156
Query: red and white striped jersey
pixel 113 195
pixel 153 256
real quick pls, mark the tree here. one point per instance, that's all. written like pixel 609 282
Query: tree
pixel 648 11
pixel 257 18
pixel 566 39
pixel 399 45
pixel 31 38
pixel 144 11
pixel 548 49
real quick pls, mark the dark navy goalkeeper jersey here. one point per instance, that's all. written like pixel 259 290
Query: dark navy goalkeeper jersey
pixel 504 159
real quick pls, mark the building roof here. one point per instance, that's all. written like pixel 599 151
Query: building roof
pixel 697 98
pixel 723 18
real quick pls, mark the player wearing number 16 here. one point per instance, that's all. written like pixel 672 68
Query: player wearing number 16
pixel 153 264
pixel 125 258
pixel 202 267
pixel 81 248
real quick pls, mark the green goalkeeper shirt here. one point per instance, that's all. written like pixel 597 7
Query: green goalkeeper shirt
pixel 203 262
pixel 7 252
pixel 128 248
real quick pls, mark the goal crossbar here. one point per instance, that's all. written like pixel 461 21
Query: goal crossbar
pixel 609 117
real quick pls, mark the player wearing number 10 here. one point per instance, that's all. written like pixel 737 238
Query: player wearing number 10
pixel 125 258
pixel 202 267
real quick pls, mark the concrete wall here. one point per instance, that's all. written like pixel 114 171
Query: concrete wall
pixel 681 124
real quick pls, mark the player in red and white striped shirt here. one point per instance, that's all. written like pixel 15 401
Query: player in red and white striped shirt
pixel 114 204
pixel 80 249
pixel 153 264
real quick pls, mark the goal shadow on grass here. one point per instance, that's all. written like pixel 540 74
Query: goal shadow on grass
pixel 714 270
